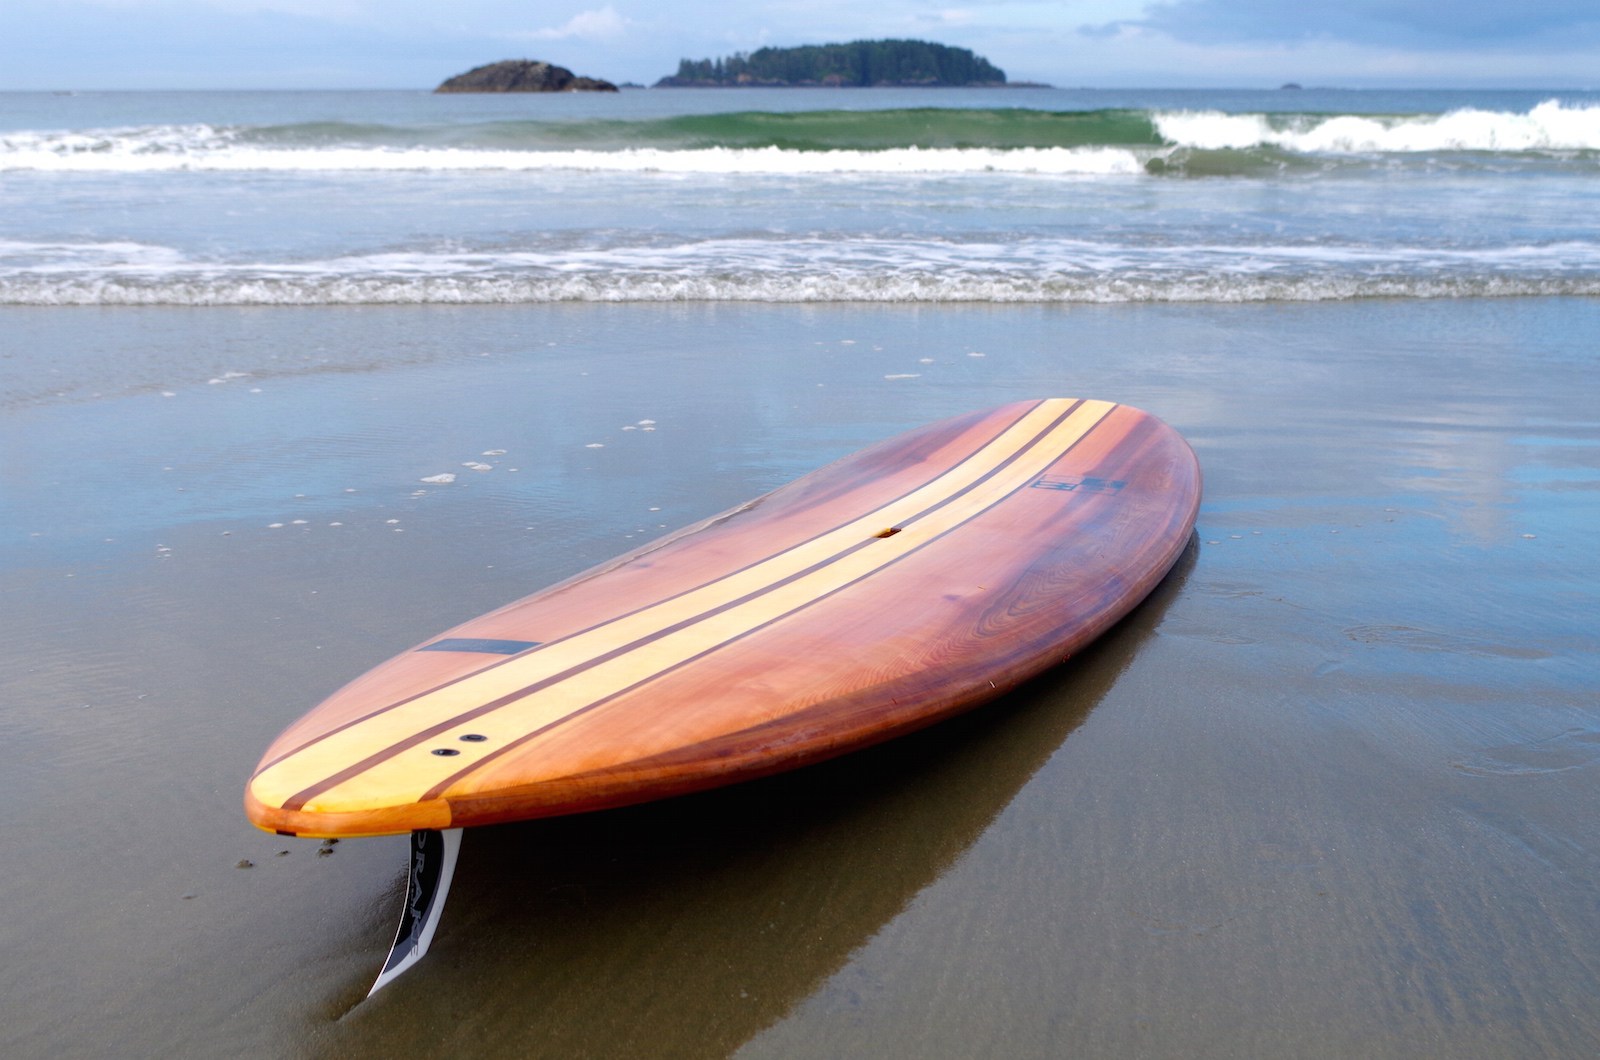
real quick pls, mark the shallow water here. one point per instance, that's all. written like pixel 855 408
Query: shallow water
pixel 1326 794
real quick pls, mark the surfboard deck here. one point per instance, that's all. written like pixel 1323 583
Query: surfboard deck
pixel 891 589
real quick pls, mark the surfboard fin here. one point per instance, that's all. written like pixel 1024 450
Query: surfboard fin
pixel 433 863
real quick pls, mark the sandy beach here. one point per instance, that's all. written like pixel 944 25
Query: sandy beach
pixel 1330 792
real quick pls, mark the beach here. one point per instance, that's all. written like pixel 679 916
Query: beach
pixel 1326 793
pixel 293 382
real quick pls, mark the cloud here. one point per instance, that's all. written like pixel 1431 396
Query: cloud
pixel 952 16
pixel 600 24
pixel 1417 24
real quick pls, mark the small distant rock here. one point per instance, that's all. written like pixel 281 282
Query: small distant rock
pixel 523 75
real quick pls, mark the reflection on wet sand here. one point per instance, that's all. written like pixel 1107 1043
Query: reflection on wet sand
pixel 684 927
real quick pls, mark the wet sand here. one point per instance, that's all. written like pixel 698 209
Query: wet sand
pixel 1331 792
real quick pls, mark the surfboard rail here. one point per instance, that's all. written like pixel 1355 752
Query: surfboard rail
pixel 891 589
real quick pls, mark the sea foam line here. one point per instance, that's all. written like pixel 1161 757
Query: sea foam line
pixel 131 154
pixel 810 268
pixel 784 256
pixel 922 287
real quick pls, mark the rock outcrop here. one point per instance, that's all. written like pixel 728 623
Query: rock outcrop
pixel 523 75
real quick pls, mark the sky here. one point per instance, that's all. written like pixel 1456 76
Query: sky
pixel 213 44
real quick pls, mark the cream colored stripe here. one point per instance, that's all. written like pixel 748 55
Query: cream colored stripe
pixel 323 759
pixel 408 776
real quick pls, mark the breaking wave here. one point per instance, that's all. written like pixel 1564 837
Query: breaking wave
pixel 1549 127
pixel 906 141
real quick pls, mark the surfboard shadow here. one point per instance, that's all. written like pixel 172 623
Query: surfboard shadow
pixel 686 927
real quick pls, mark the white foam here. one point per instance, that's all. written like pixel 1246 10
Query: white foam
pixel 814 268
pixel 208 149
pixel 47 257
pixel 916 288
pixel 1550 126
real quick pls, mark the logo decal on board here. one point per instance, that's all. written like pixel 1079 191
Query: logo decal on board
pixel 1080 485
pixel 483 644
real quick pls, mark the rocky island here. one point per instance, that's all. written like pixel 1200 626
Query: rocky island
pixel 523 75
pixel 858 64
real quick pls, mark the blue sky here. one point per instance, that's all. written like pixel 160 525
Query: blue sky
pixel 101 44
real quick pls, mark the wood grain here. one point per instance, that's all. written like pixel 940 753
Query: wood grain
pixel 893 588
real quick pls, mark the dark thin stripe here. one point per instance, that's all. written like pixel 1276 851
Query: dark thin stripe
pixel 665 600
pixel 300 798
pixel 381 756
pixel 410 742
pixel 445 785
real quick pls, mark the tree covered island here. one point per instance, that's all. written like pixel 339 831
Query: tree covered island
pixel 859 64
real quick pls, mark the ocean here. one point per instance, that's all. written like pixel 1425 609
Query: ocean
pixel 977 196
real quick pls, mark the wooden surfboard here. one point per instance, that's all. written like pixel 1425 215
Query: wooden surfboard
pixel 896 587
